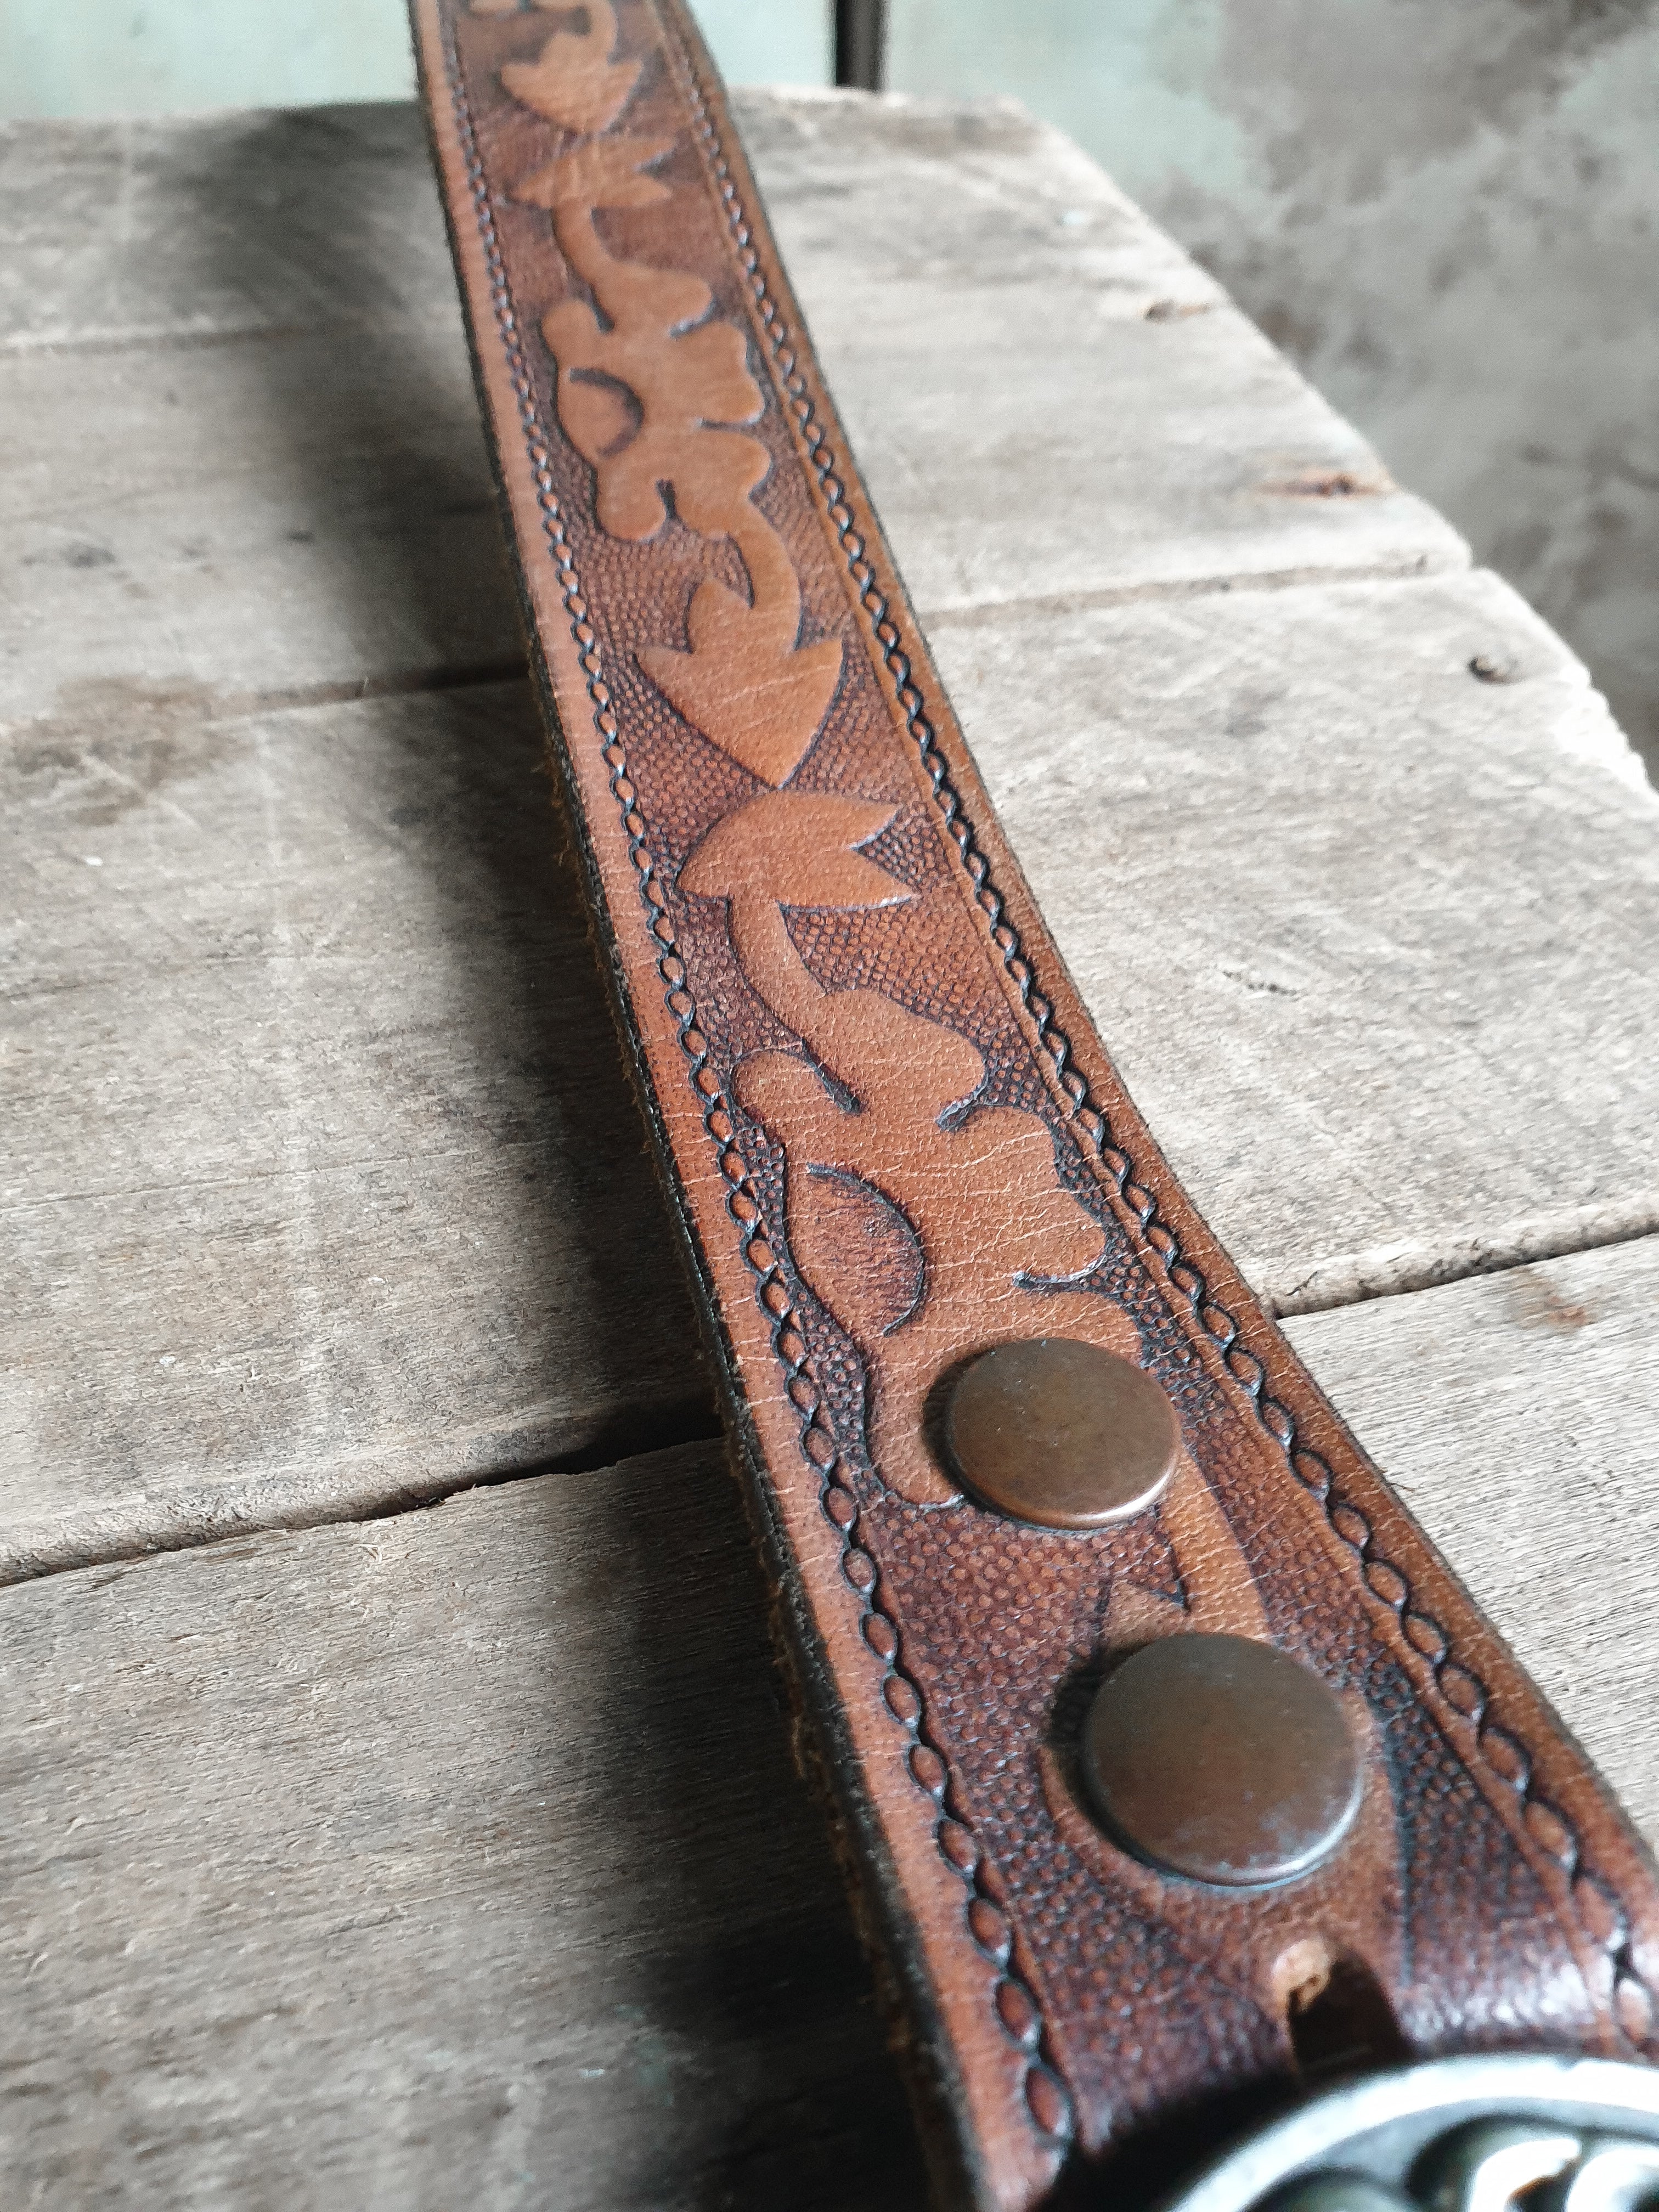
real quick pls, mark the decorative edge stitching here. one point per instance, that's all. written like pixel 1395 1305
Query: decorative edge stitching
pixel 1599 1914
pixel 1048 2102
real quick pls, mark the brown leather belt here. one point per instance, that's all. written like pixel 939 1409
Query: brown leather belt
pixel 1129 1882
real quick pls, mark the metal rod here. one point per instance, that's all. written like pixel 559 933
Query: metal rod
pixel 861 43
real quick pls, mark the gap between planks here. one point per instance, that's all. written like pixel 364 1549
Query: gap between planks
pixel 619 1444
pixel 242 705
pixel 676 1429
pixel 1389 1271
pixel 400 682
pixel 1189 587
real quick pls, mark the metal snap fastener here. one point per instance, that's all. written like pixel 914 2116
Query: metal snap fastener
pixel 1060 1433
pixel 1222 1759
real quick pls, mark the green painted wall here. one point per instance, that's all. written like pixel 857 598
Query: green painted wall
pixel 1448 214
pixel 146 57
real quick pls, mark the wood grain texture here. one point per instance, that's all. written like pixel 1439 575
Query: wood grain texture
pixel 1518 1417
pixel 325 1190
pixel 454 1859
pixel 458 1858
pixel 307 508
pixel 1375 942
pixel 1046 396
pixel 245 452
pixel 250 472
pixel 187 230
pixel 290 432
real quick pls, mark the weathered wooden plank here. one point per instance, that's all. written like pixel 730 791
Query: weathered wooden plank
pixel 1518 1416
pixel 1375 942
pixel 453 1859
pixel 306 508
pixel 244 438
pixel 184 228
pixel 245 451
pixel 1046 396
pixel 456 1857
pixel 1288 1030
pixel 325 1187
pixel 341 1864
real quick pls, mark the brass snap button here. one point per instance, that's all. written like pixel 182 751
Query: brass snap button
pixel 1060 1433
pixel 1222 1759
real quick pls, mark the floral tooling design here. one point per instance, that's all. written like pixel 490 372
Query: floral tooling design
pixel 880 1114
pixel 835 996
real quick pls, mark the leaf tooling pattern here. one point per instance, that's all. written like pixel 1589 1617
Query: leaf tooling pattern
pixel 746 682
pixel 976 1184
pixel 574 82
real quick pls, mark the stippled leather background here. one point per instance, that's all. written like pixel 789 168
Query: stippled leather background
pixel 891 1139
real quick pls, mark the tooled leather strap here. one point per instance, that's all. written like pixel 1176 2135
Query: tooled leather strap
pixel 891 1137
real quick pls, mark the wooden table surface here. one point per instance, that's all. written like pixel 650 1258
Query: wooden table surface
pixel 361 1855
